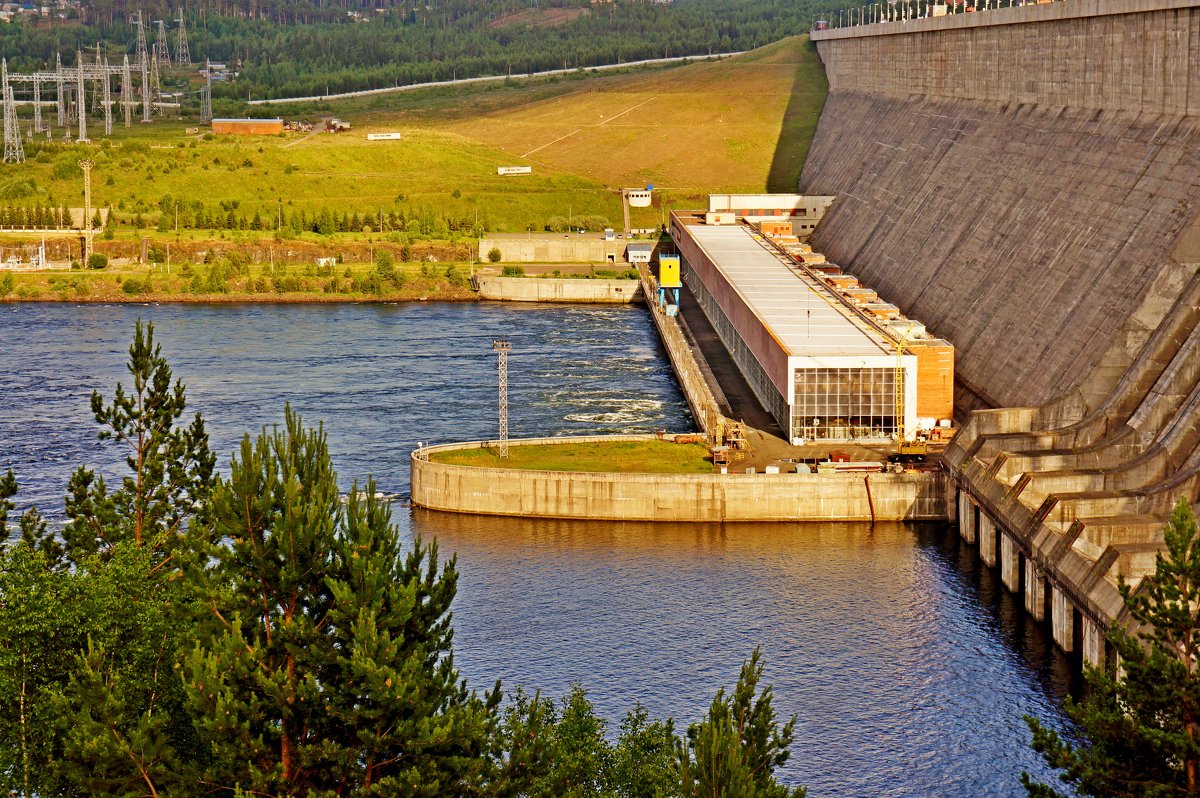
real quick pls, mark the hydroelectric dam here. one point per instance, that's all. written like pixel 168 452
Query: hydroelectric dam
pixel 1029 177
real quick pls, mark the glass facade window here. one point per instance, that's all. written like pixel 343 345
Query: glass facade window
pixel 845 404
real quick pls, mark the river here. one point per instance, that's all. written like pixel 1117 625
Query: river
pixel 908 665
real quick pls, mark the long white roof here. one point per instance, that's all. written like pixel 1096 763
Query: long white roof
pixel 800 316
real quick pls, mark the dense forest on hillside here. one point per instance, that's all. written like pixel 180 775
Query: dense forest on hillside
pixel 288 48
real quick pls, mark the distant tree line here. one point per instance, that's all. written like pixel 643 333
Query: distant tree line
pixel 280 54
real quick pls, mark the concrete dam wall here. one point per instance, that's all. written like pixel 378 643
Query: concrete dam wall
pixel 1027 181
pixel 1020 177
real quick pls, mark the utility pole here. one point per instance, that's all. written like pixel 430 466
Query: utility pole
pixel 86 166
pixel 502 347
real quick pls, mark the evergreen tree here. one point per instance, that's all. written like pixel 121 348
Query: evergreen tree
pixel 1141 730
pixel 171 467
pixel 734 751
pixel 328 666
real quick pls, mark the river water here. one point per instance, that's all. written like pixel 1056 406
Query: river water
pixel 907 664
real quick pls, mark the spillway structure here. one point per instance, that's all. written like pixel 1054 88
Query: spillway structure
pixel 825 357
pixel 1028 179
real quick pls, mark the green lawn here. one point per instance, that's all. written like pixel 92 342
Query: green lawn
pixel 629 457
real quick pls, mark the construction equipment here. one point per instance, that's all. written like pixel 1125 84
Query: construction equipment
pixel 906 450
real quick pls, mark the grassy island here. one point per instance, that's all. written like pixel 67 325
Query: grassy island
pixel 626 457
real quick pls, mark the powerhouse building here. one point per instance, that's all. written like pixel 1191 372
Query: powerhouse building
pixel 824 355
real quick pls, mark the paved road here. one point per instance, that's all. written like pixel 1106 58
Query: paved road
pixel 491 78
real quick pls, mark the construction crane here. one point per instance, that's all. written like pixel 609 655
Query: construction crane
pixel 906 450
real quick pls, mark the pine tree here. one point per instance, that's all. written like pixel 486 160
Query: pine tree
pixel 328 666
pixel 1141 730
pixel 171 467
pixel 734 751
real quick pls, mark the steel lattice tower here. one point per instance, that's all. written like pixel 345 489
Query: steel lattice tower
pixel 155 87
pixel 127 98
pixel 182 55
pixel 206 99
pixel 145 92
pixel 38 127
pixel 141 40
pixel 81 106
pixel 502 347
pixel 107 100
pixel 162 53
pixel 88 232
pixel 14 151
pixel 62 100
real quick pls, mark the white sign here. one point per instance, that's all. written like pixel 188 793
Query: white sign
pixel 384 136
pixel 514 170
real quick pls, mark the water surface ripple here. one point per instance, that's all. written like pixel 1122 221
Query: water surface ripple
pixel 907 664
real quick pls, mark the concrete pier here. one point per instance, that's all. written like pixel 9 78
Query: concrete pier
pixel 1093 642
pixel 967 517
pixel 987 540
pixel 1010 563
pixel 1035 590
pixel 1062 619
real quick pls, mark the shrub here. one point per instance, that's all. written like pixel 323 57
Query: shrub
pixel 6 284
pixel 455 277
pixel 97 260
pixel 494 254
pixel 132 286
pixel 512 271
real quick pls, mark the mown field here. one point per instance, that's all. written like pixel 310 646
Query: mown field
pixel 741 124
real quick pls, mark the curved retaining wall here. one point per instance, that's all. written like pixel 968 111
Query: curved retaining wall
pixel 670 497
pixel 558 289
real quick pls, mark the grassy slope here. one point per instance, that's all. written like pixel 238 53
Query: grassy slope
pixel 740 124
pixel 657 457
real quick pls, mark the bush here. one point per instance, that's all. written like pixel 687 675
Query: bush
pixel 494 254
pixel 512 271
pixel 455 277
pixel 6 284
pixel 19 188
pixel 132 286
pixel 97 260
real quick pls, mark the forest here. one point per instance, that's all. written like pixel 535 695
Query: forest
pixel 280 49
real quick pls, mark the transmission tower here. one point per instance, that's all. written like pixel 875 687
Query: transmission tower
pixel 127 98
pixel 155 87
pixel 62 99
pixel 162 54
pixel 37 105
pixel 141 39
pixel 206 98
pixel 107 99
pixel 182 54
pixel 14 151
pixel 502 347
pixel 86 166
pixel 145 92
pixel 81 106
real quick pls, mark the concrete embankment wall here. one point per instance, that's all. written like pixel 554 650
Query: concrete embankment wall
pixel 1027 180
pixel 672 497
pixel 1017 178
pixel 558 289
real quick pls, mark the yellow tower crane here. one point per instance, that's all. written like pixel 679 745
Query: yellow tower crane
pixel 907 450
